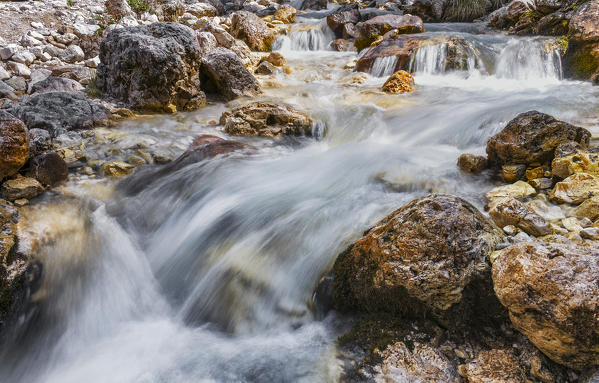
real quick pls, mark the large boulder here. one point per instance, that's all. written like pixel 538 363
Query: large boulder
pixel 552 295
pixel 403 48
pixel 253 30
pixel 582 57
pixel 55 84
pixel 154 67
pixel 267 119
pixel 14 145
pixel 59 112
pixel 224 74
pixel 532 137
pixel 430 255
pixel 371 29
pixel 347 14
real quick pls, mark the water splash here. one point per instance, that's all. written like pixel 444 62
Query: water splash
pixel 306 38
pixel 383 66
pixel 524 59
pixel 451 55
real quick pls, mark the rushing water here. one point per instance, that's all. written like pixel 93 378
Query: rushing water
pixel 206 274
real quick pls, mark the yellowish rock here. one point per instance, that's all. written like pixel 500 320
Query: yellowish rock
pixel 579 162
pixel 519 189
pixel 588 209
pixel 117 169
pixel 21 187
pixel 576 188
pixel 399 82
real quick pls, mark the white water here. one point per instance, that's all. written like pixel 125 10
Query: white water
pixel 206 275
pixel 383 66
pixel 306 36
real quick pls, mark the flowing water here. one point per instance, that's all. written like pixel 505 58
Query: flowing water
pixel 207 274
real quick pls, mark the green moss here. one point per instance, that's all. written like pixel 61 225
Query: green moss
pixel 583 64
pixel 139 6
pixel 365 42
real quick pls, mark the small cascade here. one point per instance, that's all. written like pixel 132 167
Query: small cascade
pixel 307 38
pixel 383 66
pixel 529 60
pixel 451 55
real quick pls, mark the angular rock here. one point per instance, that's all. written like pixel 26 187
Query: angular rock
pixel 285 14
pixel 399 82
pixel 347 14
pixel 576 188
pixel 532 137
pixel 510 211
pixel 519 189
pixel 55 84
pixel 117 169
pixel 471 163
pixel 21 187
pixel 265 68
pixel 314 4
pixel 154 67
pixel 119 9
pixel 584 25
pixel 588 209
pixel 40 142
pixel 253 30
pixel 379 25
pixel 402 47
pixel 14 145
pixel 224 74
pixel 267 119
pixel 552 296
pixel 513 173
pixel 275 58
pixel 579 162
pixel 49 169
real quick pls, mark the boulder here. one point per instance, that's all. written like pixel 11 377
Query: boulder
pixel 576 188
pixel 532 137
pixel 399 82
pixel 430 255
pixel 153 67
pixel 224 74
pixel 582 56
pixel 347 14
pixel 471 163
pixel 55 84
pixel 275 58
pixel 21 187
pixel 14 145
pixel 552 296
pixel 371 29
pixel 267 119
pixel 253 30
pixel 581 161
pixel 427 10
pixel 285 14
pixel 584 23
pixel 314 4
pixel 510 211
pixel 59 112
pixel 49 169
pixel 402 47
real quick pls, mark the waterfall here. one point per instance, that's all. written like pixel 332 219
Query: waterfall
pixel 383 66
pixel 306 38
pixel 451 55
pixel 529 60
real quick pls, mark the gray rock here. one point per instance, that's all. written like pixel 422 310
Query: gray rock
pixel 223 73
pixel 17 83
pixel 55 84
pixel 7 91
pixel 39 141
pixel 72 54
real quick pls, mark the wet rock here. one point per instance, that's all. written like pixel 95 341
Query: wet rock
pixel 253 30
pixel 286 14
pixel 341 45
pixel 471 163
pixel 21 187
pixel 513 173
pixel 275 58
pixel 499 366
pixel 427 10
pixel 583 23
pixel 377 26
pixel 314 4
pixel 588 209
pixel 579 162
pixel 14 145
pixel 510 211
pixel 551 293
pixel 424 257
pixel 59 112
pixel 55 84
pixel 49 169
pixel 117 169
pixel 532 137
pixel 519 189
pixel 154 67
pixel 401 47
pixel 581 60
pixel 40 142
pixel 224 74
pixel 347 14
pixel 576 188
pixel 265 68
pixel 541 183
pixel 399 82
pixel 267 119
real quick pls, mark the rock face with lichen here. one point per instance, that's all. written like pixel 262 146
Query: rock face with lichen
pixel 430 255
pixel 399 82
pixel 582 57
pixel 552 296
pixel 14 145
pixel 267 119
pixel 154 67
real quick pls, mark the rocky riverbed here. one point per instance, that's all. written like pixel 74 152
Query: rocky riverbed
pixel 304 191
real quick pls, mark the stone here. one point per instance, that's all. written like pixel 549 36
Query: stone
pixel 59 112
pixel 73 54
pixel 430 255
pixel 471 163
pixel 340 45
pixel 346 14
pixel 551 293
pixel 19 69
pixel 267 119
pixel 154 67
pixel 588 209
pixel 23 57
pixel 576 188
pixel 55 84
pixel 49 169
pixel 201 10
pixel 119 9
pixel 224 74
pixel 518 190
pixel 583 23
pixel 4 73
pixel 314 4
pixel 379 25
pixel 579 162
pixel 275 58
pixel 510 211
pixel 8 51
pixel 532 137
pixel 117 169
pixel 251 29
pixel 591 233
pixel 399 82
pixel 21 187
pixel 541 183
pixel 14 145
pixel 498 366
pixel 19 84
pixel 265 68
pixel 7 91
pixel 40 142
pixel 402 47
pixel 513 173
pixel 286 14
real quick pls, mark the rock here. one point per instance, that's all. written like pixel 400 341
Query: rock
pixel 267 119
pixel 19 69
pixel 552 296
pixel 251 29
pixel 428 256
pixel 510 211
pixel 377 26
pixel 73 54
pixel 154 67
pixel 7 91
pixel 519 189
pixel 119 9
pixel 347 14
pixel 402 47
pixel 532 137
pixel 583 23
pixel 275 58
pixel 286 14
pixel 513 173
pixel 399 82
pixel 471 163
pixel 579 162
pixel 21 187
pixel 498 366
pixel 8 51
pixel 427 10
pixel 49 169
pixel 14 145
pixel 576 188
pixel 314 4
pixel 3 73
pixel 265 68
pixel 588 209
pixel 40 142
pixel 59 112
pixel 117 169
pixel 55 84
pixel 542 183
pixel 224 74
pixel 581 60
pixel 340 45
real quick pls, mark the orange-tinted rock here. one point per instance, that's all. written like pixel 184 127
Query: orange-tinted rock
pixel 471 163
pixel 399 82
pixel 14 145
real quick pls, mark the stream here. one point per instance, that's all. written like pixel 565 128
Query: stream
pixel 207 274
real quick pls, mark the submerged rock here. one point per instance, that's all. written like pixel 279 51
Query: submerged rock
pixel 552 296
pixel 430 255
pixel 399 82
pixel 154 67
pixel 471 163
pixel 267 119
pixel 253 30
pixel 14 145
pixel 224 74
pixel 532 137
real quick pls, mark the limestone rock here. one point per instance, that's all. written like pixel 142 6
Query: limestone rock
pixel 510 211
pixel 286 14
pixel 576 188
pixel 498 366
pixel 224 74
pixel 253 30
pixel 379 25
pixel 21 187
pixel 399 82
pixel 519 189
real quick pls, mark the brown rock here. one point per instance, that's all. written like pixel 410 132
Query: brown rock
pixel 49 169
pixel 275 58
pixel 399 82
pixel 347 14
pixel 402 47
pixel 584 23
pixel 552 295
pixel 379 25
pixel 532 137
pixel 512 173
pixel 471 163
pixel 14 145
pixel 286 14
pixel 497 366
pixel 265 68
pixel 588 209
pixel 267 119
pixel 253 30
pixel 576 188
pixel 21 187
pixel 510 211
pixel 581 161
